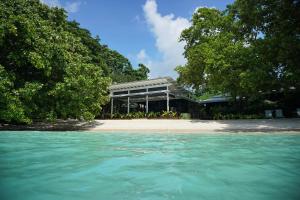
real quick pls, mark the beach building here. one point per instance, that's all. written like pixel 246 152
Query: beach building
pixel 153 95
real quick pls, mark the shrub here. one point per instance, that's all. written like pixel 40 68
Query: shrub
pixel 169 115
pixel 152 115
pixel 138 115
pixel 51 117
pixel 185 116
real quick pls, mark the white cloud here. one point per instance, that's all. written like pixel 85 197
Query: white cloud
pixel 196 9
pixel 166 30
pixel 52 3
pixel 142 57
pixel 71 7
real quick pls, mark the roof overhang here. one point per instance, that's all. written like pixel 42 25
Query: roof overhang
pixel 142 84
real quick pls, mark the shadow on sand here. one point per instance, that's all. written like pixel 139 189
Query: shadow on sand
pixel 59 125
pixel 255 125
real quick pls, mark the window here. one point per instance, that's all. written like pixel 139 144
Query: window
pixel 157 89
pixel 137 91
pixel 121 92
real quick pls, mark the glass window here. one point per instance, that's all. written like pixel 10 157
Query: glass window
pixel 121 92
pixel 137 91
pixel 157 89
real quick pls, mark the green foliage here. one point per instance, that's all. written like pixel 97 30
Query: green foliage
pixel 207 95
pixel 142 72
pixel 153 115
pixel 46 70
pixel 51 68
pixel 185 116
pixel 138 115
pixel 51 117
pixel 244 110
pixel 252 46
pixel 11 108
pixel 150 115
pixel 132 115
pixel 169 115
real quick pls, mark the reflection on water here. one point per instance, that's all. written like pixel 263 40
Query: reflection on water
pixel 82 165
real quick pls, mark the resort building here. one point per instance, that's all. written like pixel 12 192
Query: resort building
pixel 164 94
pixel 154 95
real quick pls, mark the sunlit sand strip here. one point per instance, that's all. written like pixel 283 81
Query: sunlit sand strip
pixel 200 126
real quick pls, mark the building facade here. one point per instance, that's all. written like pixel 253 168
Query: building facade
pixel 154 95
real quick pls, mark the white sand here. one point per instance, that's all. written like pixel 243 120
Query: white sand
pixel 197 125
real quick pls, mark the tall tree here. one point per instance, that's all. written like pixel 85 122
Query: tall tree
pixel 273 29
pixel 252 46
pixel 121 69
pixel 142 72
pixel 46 70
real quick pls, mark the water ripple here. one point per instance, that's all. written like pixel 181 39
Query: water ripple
pixel 82 165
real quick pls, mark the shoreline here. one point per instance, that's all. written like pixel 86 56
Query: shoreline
pixel 164 125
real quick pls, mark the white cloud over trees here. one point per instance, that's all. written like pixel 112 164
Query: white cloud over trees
pixel 70 7
pixel 166 30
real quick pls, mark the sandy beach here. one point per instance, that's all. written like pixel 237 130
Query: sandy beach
pixel 198 125
pixel 165 125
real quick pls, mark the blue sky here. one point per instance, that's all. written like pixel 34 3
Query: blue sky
pixel 144 31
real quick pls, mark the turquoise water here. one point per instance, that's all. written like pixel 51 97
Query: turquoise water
pixel 113 166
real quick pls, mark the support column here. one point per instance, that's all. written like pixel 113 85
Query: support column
pixel 112 107
pixel 168 99
pixel 147 104
pixel 128 105
pixel 168 108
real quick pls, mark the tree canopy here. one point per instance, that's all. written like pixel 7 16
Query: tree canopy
pixel 250 47
pixel 51 68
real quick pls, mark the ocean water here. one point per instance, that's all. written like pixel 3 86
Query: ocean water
pixel 115 166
